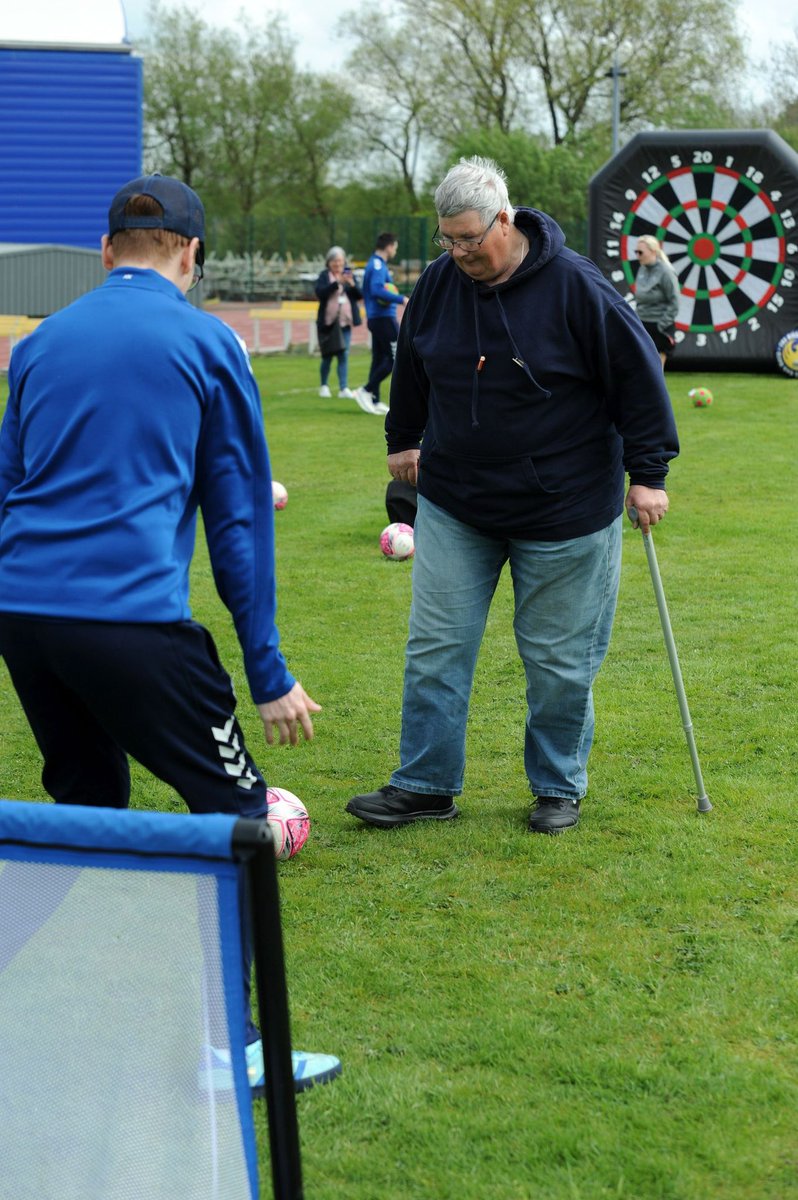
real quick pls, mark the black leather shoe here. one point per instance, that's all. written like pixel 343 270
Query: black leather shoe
pixel 552 814
pixel 394 806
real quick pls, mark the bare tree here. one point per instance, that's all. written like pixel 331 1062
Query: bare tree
pixel 542 65
pixel 396 75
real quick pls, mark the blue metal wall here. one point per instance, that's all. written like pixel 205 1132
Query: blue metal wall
pixel 70 136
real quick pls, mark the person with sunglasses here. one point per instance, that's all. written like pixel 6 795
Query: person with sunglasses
pixel 128 411
pixel 657 294
pixel 525 389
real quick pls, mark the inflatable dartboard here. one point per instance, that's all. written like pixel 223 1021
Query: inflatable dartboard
pixel 724 205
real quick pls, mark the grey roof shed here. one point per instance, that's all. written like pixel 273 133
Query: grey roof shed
pixel 38 280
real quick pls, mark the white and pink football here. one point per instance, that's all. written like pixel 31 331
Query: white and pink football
pixel 279 494
pixel 289 821
pixel 396 541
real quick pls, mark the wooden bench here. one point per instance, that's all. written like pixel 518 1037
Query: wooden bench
pixel 287 312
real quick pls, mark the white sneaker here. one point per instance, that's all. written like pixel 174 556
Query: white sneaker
pixel 380 408
pixel 366 401
pixel 325 392
pixel 346 394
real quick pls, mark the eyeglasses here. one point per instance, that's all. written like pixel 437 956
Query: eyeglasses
pixel 198 275
pixel 472 243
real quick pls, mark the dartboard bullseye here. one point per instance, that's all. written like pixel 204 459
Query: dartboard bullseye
pixel 724 205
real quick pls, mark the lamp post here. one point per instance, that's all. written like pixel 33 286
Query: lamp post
pixel 615 75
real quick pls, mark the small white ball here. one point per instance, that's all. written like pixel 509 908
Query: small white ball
pixel 396 541
pixel 289 821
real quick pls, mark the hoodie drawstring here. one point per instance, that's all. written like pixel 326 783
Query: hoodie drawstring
pixel 517 357
pixel 479 366
pixel 516 352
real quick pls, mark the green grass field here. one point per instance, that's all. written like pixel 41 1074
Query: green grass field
pixel 611 1013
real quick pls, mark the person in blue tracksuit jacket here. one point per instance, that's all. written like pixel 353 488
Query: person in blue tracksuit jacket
pixel 382 300
pixel 525 389
pixel 129 411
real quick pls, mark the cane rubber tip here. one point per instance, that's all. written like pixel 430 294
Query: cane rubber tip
pixel 704 804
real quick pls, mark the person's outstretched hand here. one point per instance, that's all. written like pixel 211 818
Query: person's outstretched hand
pixel 287 713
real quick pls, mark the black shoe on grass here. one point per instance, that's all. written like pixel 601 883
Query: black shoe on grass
pixel 391 805
pixel 553 814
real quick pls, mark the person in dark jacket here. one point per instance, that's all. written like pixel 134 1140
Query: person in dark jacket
pixel 338 296
pixel 524 389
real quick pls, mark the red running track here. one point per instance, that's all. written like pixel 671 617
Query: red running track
pixel 270 335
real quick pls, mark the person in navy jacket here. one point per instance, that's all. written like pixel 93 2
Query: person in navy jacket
pixel 525 389
pixel 129 411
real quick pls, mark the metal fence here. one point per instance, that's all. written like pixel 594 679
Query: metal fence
pixel 309 237
pixel 298 238
pixel 280 257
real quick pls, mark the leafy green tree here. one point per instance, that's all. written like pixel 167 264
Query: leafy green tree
pixel 780 108
pixel 249 85
pixel 481 78
pixel 176 107
pixel 542 65
pixel 317 143
pixel 552 178
pixel 233 116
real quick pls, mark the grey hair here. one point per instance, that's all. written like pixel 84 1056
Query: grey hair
pixel 475 183
pixel 335 252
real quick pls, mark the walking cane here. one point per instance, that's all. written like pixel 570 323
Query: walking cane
pixel 653 566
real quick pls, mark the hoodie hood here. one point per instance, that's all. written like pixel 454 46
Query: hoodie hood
pixel 546 240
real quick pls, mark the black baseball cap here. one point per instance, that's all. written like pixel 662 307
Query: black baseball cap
pixel 182 209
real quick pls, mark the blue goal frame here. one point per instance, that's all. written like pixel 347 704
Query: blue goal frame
pixel 239 855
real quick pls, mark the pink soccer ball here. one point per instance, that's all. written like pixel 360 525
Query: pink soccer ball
pixel 396 541
pixel 289 821
pixel 279 494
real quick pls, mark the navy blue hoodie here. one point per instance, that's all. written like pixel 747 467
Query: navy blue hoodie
pixel 571 393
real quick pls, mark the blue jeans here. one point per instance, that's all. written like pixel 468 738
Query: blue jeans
pixel 343 362
pixel 565 595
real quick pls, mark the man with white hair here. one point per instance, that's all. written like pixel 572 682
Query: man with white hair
pixel 524 389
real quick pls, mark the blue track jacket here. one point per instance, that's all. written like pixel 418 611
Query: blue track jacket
pixel 129 410
pixel 378 300
pixel 532 444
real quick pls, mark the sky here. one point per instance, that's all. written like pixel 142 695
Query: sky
pixel 764 23
pixel 311 21
pixel 106 21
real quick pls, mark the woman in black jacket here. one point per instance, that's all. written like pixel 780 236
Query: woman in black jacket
pixel 338 312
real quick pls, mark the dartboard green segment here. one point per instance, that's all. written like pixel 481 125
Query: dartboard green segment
pixel 723 204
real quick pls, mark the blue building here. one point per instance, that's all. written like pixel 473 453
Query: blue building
pixel 70 121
